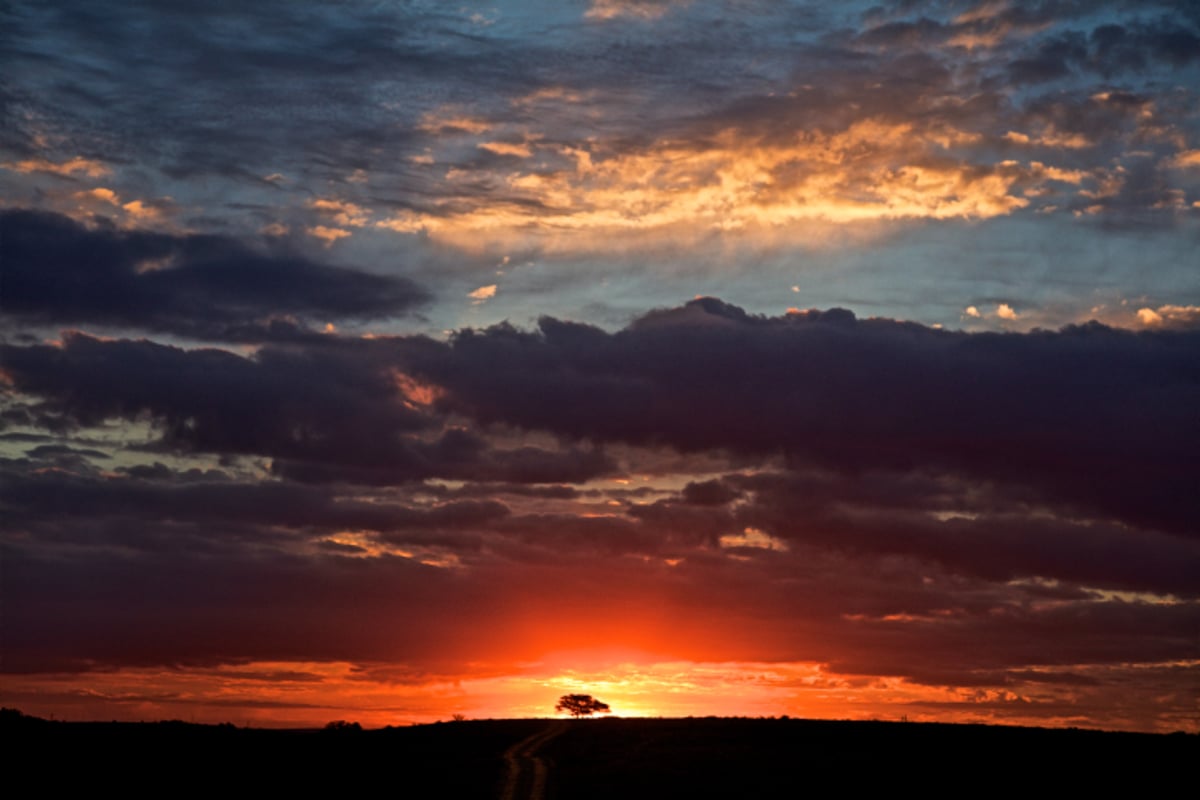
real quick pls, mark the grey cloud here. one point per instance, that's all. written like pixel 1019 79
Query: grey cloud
pixel 1046 410
pixel 329 412
pixel 47 500
pixel 56 271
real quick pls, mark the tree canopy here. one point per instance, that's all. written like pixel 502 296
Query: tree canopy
pixel 581 705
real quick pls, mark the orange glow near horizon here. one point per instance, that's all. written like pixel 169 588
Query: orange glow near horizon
pixel 307 694
pixel 310 694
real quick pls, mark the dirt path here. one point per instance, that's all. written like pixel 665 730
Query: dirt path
pixel 527 771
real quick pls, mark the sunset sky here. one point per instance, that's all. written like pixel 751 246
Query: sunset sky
pixel 389 360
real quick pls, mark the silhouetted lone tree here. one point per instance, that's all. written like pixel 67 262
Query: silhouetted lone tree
pixel 581 705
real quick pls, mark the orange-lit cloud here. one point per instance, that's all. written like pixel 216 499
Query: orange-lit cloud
pixel 988 24
pixel 873 170
pixel 102 194
pixel 340 211
pixel 1050 138
pixel 448 120
pixel 507 149
pixel 135 211
pixel 754 538
pixel 403 222
pixel 982 11
pixel 85 166
pixel 328 234
pixel 551 94
pixel 416 393
pixel 1188 158
pixel 1041 171
pixel 1169 315
pixel 141 211
pixel 639 9
pixel 483 293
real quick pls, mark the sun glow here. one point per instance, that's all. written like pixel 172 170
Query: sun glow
pixel 633 684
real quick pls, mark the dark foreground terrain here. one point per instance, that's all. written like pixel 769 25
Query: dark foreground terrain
pixel 601 758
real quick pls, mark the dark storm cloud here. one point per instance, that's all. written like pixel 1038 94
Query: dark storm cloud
pixel 1115 113
pixel 55 452
pixel 992 541
pixel 45 500
pixel 709 493
pixel 483 489
pixel 1002 456
pixel 1043 42
pixel 1109 50
pixel 1008 635
pixel 57 271
pixel 456 455
pixel 139 572
pixel 210 608
pixel 161 472
pixel 1051 60
pixel 279 402
pixel 907 33
pixel 970 529
pixel 873 615
pixel 1093 419
pixel 324 413
pixel 1120 48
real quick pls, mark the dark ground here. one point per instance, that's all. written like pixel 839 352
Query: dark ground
pixel 602 758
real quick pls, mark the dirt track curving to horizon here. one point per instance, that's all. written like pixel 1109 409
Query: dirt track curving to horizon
pixel 527 772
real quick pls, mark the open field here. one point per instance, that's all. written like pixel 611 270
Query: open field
pixel 602 758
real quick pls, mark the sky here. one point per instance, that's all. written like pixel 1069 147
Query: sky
pixel 389 361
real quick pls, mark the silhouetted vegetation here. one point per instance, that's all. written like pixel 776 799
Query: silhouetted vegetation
pixel 341 726
pixel 626 758
pixel 461 760
pixel 580 705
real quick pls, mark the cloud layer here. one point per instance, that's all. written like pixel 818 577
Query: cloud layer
pixel 347 365
pixel 875 496
pixel 59 272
